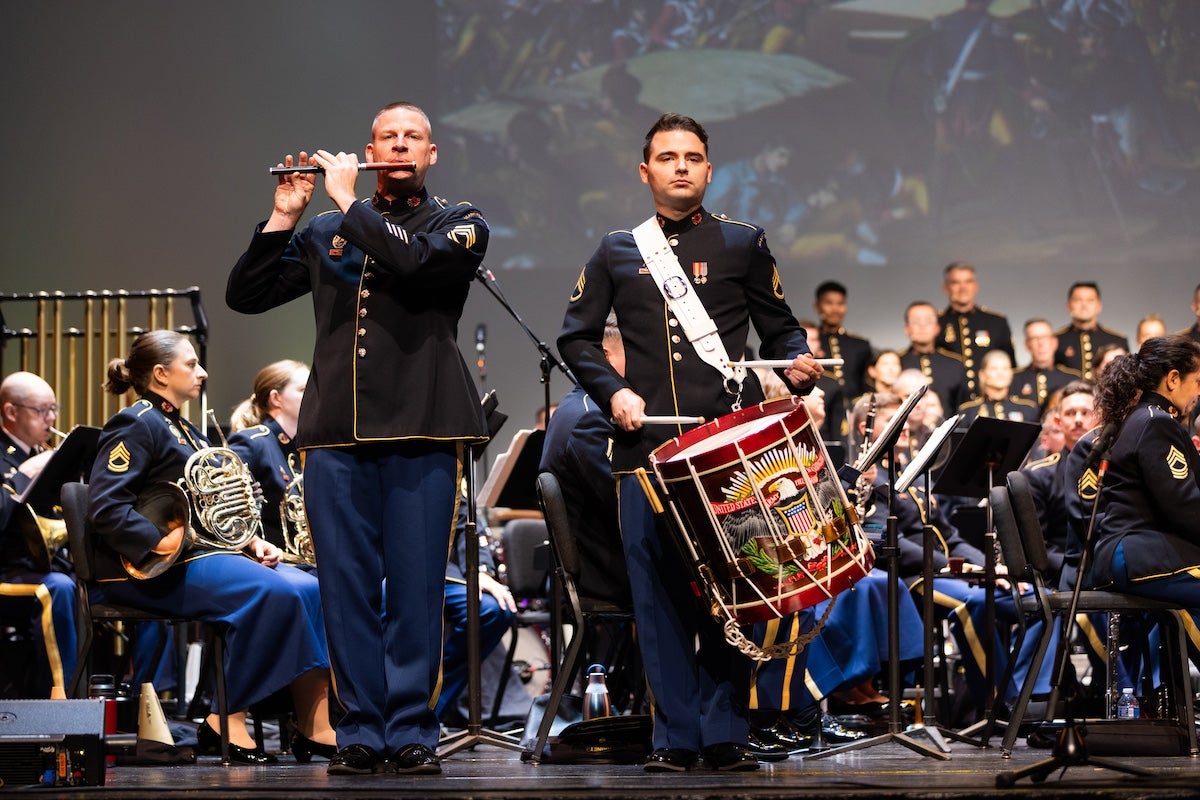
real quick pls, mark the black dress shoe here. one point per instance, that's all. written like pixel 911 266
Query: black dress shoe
pixel 671 759
pixel 416 759
pixel 837 733
pixel 208 743
pixel 730 757
pixel 355 759
pixel 304 748
pixel 765 746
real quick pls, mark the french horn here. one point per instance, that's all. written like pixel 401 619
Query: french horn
pixel 297 540
pixel 227 501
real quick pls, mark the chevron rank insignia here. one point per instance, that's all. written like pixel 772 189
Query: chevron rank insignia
pixel 1177 463
pixel 118 458
pixel 463 234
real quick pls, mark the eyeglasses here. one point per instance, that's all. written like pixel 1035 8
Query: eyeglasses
pixel 41 411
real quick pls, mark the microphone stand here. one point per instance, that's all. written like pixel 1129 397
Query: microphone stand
pixel 474 733
pixel 548 360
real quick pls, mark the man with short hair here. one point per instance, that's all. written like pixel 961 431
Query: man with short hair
pixel 943 368
pixel 723 269
pixel 855 351
pixel 1041 378
pixel 1078 341
pixel 968 330
pixel 28 410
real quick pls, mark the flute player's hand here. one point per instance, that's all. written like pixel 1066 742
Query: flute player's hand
pixel 291 195
pixel 341 173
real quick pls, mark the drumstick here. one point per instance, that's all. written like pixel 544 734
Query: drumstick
pixel 784 364
pixel 667 420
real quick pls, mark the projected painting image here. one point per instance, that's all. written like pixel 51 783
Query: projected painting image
pixel 863 135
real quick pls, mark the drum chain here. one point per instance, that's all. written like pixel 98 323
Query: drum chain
pixel 735 637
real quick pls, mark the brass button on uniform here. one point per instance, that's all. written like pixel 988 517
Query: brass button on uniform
pixel 365 293
pixel 362 331
pixel 674 339
pixel 362 312
pixel 674 323
pixel 362 351
pixel 677 356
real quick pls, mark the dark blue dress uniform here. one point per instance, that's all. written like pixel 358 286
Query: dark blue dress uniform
pixel 1149 543
pixel 1014 408
pixel 388 409
pixel 970 334
pixel 578 451
pixel 1076 347
pixel 946 372
pixel 274 461
pixel 697 695
pixel 46 598
pixel 1036 385
pixel 275 630
pixel 856 352
pixel 1045 478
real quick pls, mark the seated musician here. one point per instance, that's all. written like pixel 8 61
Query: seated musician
pixel 274 630
pixel 44 597
pixel 264 430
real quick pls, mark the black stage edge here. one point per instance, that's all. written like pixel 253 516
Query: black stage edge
pixel 489 773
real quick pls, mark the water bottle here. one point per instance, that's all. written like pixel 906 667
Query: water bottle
pixel 596 700
pixel 1127 704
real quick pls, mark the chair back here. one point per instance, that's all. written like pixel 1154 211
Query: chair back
pixel 1005 523
pixel 74 501
pixel 526 557
pixel 558 523
pixel 1026 514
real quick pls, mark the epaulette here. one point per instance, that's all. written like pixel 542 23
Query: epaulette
pixel 724 218
pixel 1022 401
pixel 1065 329
pixel 1111 332
pixel 1042 463
pixel 142 406
pixel 978 401
pixel 991 313
pixel 259 431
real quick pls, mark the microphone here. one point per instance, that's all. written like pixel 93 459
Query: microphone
pixel 1102 446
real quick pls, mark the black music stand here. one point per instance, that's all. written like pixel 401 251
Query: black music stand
pixel 890 554
pixel 990 447
pixel 475 733
pixel 71 461
pixel 922 466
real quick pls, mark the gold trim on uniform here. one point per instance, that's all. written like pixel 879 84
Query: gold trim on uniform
pixel 776 283
pixel 1177 463
pixel 119 458
pixel 578 293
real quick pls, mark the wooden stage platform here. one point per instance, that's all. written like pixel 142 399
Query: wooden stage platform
pixel 887 771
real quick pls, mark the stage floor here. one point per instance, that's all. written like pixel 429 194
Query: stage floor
pixel 886 770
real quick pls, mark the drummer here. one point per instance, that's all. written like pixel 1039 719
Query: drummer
pixel 725 268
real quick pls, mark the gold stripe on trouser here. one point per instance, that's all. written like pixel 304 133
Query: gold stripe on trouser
pixel 770 638
pixel 42 595
pixel 813 689
pixel 1189 627
pixel 959 609
pixel 1093 637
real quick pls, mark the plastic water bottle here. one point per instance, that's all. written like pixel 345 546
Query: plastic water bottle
pixel 1127 705
pixel 596 701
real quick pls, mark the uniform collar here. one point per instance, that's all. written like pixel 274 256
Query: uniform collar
pixel 399 205
pixel 1154 398
pixel 162 404
pixel 12 445
pixel 675 226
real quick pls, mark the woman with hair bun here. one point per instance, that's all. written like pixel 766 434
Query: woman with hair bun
pixel 274 629
pixel 1149 543
pixel 264 433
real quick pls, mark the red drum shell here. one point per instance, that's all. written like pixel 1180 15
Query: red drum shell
pixel 705 472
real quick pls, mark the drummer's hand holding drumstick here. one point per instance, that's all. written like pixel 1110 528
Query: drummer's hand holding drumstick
pixel 804 371
pixel 628 408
